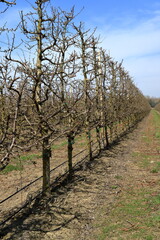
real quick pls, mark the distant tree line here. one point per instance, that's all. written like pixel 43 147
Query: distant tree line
pixel 157 107
pixel 153 101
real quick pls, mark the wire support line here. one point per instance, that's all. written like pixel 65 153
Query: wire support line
pixel 26 186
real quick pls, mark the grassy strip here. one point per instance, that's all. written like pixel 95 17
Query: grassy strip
pixel 136 214
pixel 157 123
pixel 17 164
pixel 134 217
pixel 11 167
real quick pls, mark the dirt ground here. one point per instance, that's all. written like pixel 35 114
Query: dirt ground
pixel 31 162
pixel 90 207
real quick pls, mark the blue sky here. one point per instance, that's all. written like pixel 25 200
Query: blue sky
pixel 129 29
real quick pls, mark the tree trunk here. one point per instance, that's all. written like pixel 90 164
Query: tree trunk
pixel 98 137
pixel 46 149
pixel 111 133
pixel 46 167
pixel 70 150
pixel 106 135
pixel 89 146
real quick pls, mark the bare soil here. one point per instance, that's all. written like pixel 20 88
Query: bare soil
pixel 13 181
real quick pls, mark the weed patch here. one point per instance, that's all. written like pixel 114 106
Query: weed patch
pixel 119 177
pixel 10 168
pixel 58 146
pixel 30 157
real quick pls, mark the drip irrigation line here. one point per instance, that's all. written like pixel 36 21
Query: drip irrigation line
pixel 20 189
pixel 57 179
pixel 16 212
pixel 58 166
pixel 12 195
pixel 25 205
pixel 79 153
pixel 30 183
pixel 94 143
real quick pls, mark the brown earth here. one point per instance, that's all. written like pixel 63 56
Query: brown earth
pixel 13 181
pixel 84 207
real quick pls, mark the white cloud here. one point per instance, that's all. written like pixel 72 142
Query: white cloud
pixel 139 46
pixel 139 40
pixel 146 73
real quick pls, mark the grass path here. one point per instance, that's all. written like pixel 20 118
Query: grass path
pixel 136 213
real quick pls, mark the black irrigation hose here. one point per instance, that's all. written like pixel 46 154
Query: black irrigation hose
pixel 20 189
pixel 30 183
pixel 94 143
pixel 57 179
pixel 11 216
pixel 38 178
pixel 79 153
pixel 58 166
pixel 2 201
pixel 25 205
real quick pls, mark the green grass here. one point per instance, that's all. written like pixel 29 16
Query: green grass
pixel 59 145
pixel 10 168
pixel 142 159
pixel 106 231
pixel 79 140
pixel 82 144
pixel 118 177
pixel 156 168
pixel 114 186
pixel 157 135
pixel 30 157
pixel 145 161
pixel 149 162
pixel 135 154
pixel 156 116
pixel 17 164
pixel 146 139
pixel 136 215
pixel 135 209
pixel 149 237
pixel 155 201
